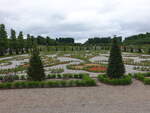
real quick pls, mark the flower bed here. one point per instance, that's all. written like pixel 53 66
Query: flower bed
pixel 13 70
pixel 125 80
pixel 97 69
pixel 88 67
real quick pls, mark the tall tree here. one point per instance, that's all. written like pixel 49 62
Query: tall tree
pixel 36 70
pixel 3 40
pixel 21 42
pixel 116 67
pixel 13 42
pixel 28 43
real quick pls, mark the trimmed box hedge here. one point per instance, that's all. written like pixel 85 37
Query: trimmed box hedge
pixel 143 77
pixel 84 81
pixel 125 80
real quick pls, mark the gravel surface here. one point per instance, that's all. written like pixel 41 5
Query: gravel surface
pixel 101 99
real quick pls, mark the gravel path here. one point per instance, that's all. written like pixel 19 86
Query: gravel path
pixel 102 99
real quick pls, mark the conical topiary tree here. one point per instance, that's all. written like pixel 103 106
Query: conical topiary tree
pixel 116 67
pixel 36 70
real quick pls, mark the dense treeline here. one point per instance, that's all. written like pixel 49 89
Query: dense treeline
pixel 19 43
pixel 98 41
pixel 138 39
pixel 101 40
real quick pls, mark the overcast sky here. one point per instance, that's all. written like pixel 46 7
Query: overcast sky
pixel 80 19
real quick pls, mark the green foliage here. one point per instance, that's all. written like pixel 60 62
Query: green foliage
pixel 66 40
pixel 125 80
pixel 36 69
pixel 88 81
pixel 144 77
pixel 116 67
pixel 12 70
pixel 3 40
pixel 67 76
pixel 84 81
pixel 57 70
pixel 21 42
pixel 138 39
pixel 8 78
pixel 106 41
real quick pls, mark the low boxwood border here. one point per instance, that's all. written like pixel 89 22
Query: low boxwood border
pixel 84 81
pixel 125 80
pixel 49 76
pixel 142 77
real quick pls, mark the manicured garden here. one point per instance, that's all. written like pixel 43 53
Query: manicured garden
pixel 65 68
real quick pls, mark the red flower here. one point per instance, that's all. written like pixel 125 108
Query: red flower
pixel 97 69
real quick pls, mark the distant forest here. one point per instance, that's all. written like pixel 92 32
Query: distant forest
pixel 19 44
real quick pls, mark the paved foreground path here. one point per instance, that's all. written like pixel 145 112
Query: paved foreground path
pixel 102 99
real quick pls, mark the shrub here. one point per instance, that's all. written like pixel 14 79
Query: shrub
pixel 36 69
pixel 125 80
pixel 23 77
pixel 42 84
pixel 65 76
pixel 139 76
pixel 57 70
pixel 19 85
pixel 7 85
pixel 84 81
pixel 146 81
pixel 32 84
pixel 8 78
pixel 71 83
pixel 15 77
pixel 51 76
pixel 55 84
pixel 89 81
pixel 116 67
pixel 142 77
pixel 49 84
pixel 63 83
pixel 59 76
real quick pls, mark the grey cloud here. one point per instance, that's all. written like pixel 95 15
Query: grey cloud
pixel 79 19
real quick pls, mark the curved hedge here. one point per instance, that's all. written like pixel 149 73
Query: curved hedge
pixel 143 77
pixel 125 80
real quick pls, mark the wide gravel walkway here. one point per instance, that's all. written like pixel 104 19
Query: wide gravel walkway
pixel 102 99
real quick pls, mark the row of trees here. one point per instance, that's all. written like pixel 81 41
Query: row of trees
pixel 18 44
pixel 14 44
